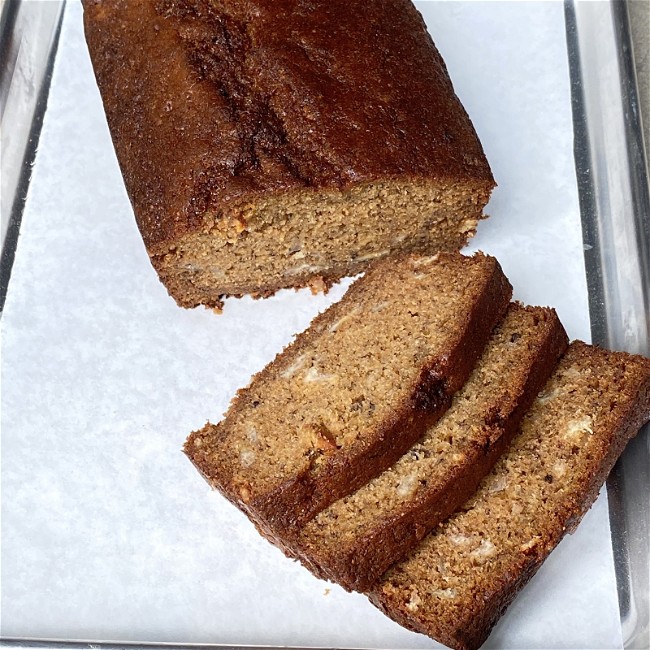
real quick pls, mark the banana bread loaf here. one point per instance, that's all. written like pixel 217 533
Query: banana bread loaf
pixel 356 539
pixel 268 144
pixel 354 391
pixel 461 578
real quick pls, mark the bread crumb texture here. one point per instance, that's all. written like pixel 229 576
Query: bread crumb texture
pixel 358 537
pixel 461 578
pixel 340 394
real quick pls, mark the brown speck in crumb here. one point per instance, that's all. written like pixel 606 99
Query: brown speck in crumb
pixel 317 285
pixel 326 592
pixel 240 225
pixel 245 494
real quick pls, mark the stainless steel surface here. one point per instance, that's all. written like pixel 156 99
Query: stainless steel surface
pixel 615 207
pixel 28 37
pixel 59 644
pixel 639 12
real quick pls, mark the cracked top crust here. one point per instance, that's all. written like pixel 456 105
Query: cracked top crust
pixel 212 104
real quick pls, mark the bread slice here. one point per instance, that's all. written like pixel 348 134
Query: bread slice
pixel 277 144
pixel 461 578
pixel 355 390
pixel 356 539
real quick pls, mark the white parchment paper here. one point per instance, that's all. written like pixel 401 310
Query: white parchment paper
pixel 107 530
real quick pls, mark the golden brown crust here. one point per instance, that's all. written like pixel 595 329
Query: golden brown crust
pixel 161 116
pixel 201 101
pixel 280 512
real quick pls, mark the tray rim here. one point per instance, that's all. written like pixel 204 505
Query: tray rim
pixel 610 169
pixel 49 19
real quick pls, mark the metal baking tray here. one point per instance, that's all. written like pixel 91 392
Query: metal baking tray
pixel 614 205
pixel 615 208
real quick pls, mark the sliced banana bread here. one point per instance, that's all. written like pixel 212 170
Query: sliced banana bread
pixel 356 539
pixel 269 144
pixel 462 577
pixel 355 390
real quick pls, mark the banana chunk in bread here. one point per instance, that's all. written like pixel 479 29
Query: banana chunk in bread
pixel 354 391
pixel 459 581
pixel 269 144
pixel 356 539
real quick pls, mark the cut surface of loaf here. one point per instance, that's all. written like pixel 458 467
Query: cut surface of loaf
pixel 356 539
pixel 268 144
pixel 355 390
pixel 461 578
